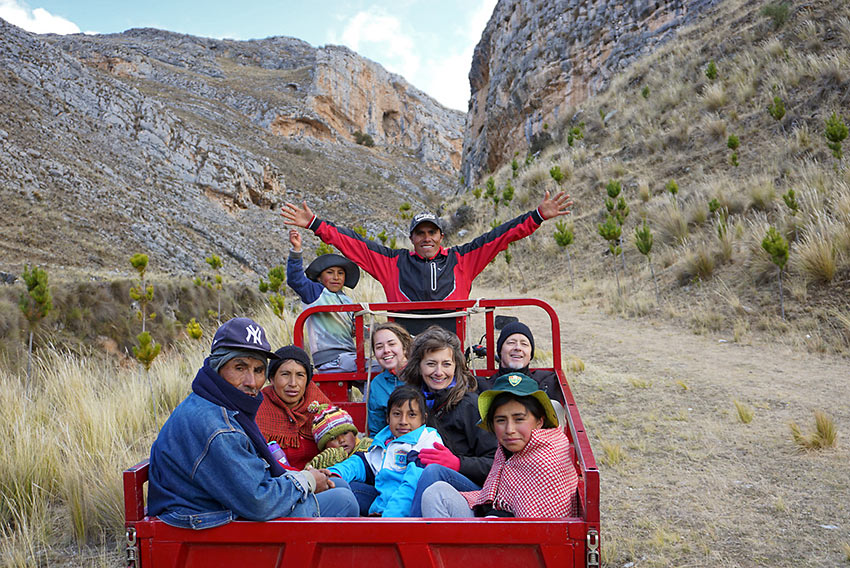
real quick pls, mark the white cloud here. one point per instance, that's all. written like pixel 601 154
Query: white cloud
pixel 376 32
pixel 446 78
pixel 38 21
pixel 443 72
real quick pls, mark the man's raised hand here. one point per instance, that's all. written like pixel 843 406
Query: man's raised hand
pixel 558 205
pixel 298 216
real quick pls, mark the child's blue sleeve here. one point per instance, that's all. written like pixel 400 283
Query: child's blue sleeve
pixel 351 469
pixel 306 289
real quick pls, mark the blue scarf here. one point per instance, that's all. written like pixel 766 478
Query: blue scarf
pixel 210 386
pixel 431 396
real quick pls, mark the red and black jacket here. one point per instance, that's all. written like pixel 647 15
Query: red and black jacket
pixel 408 277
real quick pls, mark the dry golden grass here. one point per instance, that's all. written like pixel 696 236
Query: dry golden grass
pixel 744 411
pixel 715 127
pixel 697 263
pixel 714 97
pixel 815 256
pixel 762 192
pixel 823 436
pixel 671 223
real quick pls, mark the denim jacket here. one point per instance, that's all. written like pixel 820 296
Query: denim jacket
pixel 204 472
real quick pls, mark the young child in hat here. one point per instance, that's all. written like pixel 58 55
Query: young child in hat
pixel 533 474
pixel 331 335
pixel 391 464
pixel 336 436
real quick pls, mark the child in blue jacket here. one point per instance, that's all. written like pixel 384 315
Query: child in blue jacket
pixel 391 463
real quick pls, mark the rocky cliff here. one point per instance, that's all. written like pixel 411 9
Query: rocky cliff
pixel 182 147
pixel 536 59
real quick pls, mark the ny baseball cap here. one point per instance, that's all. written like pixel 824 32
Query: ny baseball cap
pixel 242 333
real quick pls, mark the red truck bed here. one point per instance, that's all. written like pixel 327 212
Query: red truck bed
pixel 378 542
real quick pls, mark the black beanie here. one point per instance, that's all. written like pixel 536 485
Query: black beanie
pixel 291 352
pixel 509 330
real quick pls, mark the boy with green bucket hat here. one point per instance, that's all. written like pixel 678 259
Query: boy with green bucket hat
pixel 533 473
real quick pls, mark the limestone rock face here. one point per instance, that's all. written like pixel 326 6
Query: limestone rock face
pixel 332 92
pixel 537 58
pixel 183 147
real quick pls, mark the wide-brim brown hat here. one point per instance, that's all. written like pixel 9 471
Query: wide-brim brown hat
pixel 519 385
pixel 322 263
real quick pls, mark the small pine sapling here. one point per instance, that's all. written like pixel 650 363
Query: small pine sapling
pixel 143 293
pixel 836 132
pixel 556 174
pixel 215 264
pixel 673 188
pixel 508 194
pixel 274 288
pixel 643 242
pixel 564 236
pixel 404 209
pixel 713 206
pixel 777 12
pixel 711 70
pixel 645 92
pixel 147 349
pixel 514 168
pixel 477 192
pixel 490 193
pixel 193 329
pixel 618 209
pixel 733 142
pixel 575 133
pixel 777 247
pixel 777 110
pixel 611 231
pixel 35 304
pixel 382 236
pixel 324 248
pixel 790 199
pixel 393 242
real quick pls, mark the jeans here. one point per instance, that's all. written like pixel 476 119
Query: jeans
pixel 434 473
pixel 441 500
pixel 337 502
pixel 365 495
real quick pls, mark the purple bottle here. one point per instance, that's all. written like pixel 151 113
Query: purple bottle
pixel 278 453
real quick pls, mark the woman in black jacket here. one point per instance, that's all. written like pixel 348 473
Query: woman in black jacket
pixel 437 367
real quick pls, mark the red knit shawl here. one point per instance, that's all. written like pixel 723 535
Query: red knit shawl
pixel 291 427
pixel 539 481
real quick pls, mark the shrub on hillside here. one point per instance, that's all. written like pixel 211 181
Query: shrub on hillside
pixel 777 12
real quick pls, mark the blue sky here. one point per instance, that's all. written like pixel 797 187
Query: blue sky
pixel 428 42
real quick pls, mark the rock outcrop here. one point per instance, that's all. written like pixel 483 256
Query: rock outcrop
pixel 183 147
pixel 326 93
pixel 536 59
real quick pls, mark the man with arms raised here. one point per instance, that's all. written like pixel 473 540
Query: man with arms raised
pixel 430 271
pixel 210 464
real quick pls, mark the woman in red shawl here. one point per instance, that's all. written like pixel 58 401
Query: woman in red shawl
pixel 284 415
pixel 532 475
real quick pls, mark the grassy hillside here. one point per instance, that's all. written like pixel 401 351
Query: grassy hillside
pixel 665 120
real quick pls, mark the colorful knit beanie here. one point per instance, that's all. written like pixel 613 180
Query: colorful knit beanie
pixel 329 423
